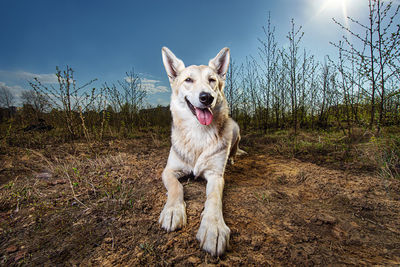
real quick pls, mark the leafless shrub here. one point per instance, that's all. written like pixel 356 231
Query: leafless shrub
pixel 67 98
pixel 7 99
pixel 127 99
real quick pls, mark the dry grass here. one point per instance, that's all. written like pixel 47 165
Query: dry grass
pixel 383 154
pixel 88 179
pixel 360 151
pixel 74 203
pixel 68 197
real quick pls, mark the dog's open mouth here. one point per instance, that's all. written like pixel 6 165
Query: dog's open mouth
pixel 203 115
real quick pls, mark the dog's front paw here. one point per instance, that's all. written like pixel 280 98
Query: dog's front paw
pixel 213 235
pixel 173 217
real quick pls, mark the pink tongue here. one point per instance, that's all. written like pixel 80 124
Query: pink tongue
pixel 204 116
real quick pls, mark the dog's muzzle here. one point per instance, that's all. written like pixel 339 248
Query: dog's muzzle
pixel 206 98
pixel 203 115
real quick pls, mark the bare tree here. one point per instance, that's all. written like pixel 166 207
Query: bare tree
pixel 128 98
pixel 294 36
pixel 252 99
pixel 306 74
pixel 67 97
pixel 133 91
pixel 269 56
pixel 35 99
pixel 232 90
pixel 388 48
pixel 313 90
pixel 6 97
pixel 34 103
pixel 283 92
pixel 380 63
pixel 325 93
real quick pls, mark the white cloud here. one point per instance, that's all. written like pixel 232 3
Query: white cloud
pixel 16 90
pixel 129 79
pixel 153 86
pixel 162 101
pixel 44 78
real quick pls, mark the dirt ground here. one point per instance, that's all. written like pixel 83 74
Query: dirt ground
pixel 70 205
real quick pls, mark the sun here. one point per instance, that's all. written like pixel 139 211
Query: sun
pixel 335 4
pixel 334 7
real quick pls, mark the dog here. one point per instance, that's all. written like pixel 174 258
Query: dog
pixel 203 138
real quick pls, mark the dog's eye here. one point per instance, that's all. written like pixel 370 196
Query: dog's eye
pixel 211 80
pixel 189 80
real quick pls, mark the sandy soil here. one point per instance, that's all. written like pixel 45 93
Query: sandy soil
pixel 63 206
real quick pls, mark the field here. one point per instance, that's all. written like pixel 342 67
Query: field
pixel 83 146
pixel 98 204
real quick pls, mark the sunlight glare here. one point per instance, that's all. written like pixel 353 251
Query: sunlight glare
pixel 333 8
pixel 335 5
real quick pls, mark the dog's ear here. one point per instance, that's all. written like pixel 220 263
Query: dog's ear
pixel 172 64
pixel 221 62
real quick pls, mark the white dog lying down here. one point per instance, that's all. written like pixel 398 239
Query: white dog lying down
pixel 203 138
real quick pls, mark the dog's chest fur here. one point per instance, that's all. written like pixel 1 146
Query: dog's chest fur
pixel 190 140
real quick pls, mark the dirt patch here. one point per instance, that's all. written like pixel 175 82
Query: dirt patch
pixel 100 206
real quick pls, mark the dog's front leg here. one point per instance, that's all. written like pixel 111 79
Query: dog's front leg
pixel 173 216
pixel 213 233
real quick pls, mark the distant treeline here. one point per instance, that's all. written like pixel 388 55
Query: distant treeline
pixel 280 88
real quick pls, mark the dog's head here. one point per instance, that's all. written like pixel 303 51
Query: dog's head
pixel 198 89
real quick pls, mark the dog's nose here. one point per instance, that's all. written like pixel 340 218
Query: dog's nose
pixel 206 98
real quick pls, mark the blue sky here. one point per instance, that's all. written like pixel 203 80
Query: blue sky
pixel 105 39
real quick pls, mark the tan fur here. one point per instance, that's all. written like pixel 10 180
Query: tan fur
pixel 199 149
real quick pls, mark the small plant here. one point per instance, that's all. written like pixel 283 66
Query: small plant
pixel 147 248
pixel 389 159
pixel 383 153
pixel 264 197
pixel 301 176
pixel 76 171
pixel 9 185
pixel 17 195
pixel 282 179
